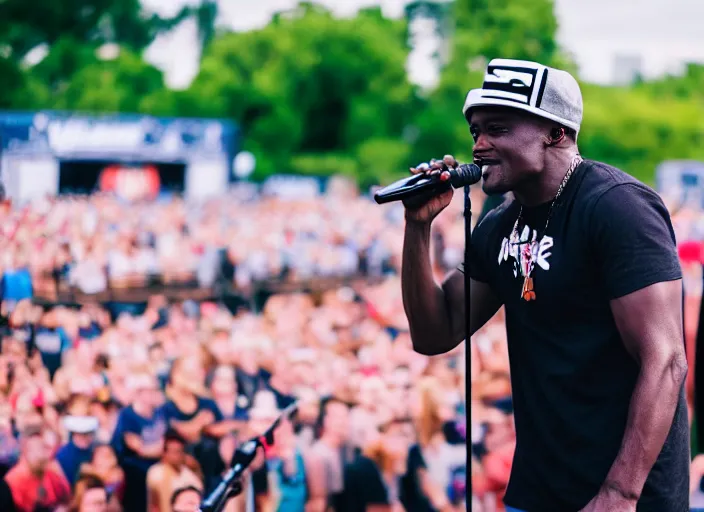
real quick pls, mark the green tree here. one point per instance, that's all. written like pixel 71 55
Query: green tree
pixel 25 25
pixel 634 128
pixel 118 85
pixel 517 29
pixel 309 83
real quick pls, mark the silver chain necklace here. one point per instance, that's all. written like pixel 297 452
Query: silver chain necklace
pixel 528 249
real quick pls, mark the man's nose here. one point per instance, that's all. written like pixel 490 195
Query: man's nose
pixel 481 144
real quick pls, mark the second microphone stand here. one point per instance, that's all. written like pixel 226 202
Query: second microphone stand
pixel 231 485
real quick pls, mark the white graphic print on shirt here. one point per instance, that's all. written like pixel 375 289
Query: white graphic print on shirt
pixel 524 248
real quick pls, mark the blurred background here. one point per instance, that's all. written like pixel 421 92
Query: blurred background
pixel 190 244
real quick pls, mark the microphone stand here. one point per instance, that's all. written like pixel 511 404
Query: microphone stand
pixel 467 347
pixel 230 485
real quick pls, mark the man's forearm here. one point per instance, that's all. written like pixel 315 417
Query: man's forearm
pixel 650 417
pixel 223 428
pixel 423 299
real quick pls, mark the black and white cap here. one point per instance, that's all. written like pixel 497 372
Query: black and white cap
pixel 540 90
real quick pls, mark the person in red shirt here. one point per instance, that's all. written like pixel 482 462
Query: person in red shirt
pixel 36 481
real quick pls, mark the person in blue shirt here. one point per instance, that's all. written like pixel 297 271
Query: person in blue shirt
pixel 52 341
pixel 138 439
pixel 16 282
pixel 192 416
pixel 287 468
pixel 79 449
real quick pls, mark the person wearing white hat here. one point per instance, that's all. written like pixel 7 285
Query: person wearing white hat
pixel 79 449
pixel 584 261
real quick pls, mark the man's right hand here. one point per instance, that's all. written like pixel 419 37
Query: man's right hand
pixel 428 211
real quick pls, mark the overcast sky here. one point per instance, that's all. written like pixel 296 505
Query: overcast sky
pixel 664 34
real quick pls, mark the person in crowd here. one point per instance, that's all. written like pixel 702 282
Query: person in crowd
pixel 193 416
pixel 223 436
pixel 37 481
pixel 373 480
pixel 105 466
pixel 186 499
pixel 251 377
pixel 432 460
pixel 232 406
pixel 187 411
pixel 90 495
pixel 287 472
pixel 176 469
pixel 326 459
pixel 306 417
pixel 139 438
pixel 79 448
pixel 257 491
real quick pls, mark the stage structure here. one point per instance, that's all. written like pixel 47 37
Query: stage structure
pixel 135 156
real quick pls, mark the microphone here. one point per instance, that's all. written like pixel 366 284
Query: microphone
pixel 418 189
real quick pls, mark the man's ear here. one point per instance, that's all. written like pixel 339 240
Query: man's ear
pixel 557 135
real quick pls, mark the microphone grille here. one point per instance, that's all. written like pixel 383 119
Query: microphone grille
pixel 469 174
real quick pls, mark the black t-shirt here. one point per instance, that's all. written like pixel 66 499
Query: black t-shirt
pixel 412 496
pixel 173 413
pixel 363 485
pixel 571 376
pixel 282 399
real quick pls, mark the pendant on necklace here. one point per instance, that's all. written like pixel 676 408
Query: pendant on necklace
pixel 528 293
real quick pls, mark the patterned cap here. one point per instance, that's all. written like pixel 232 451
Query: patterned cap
pixel 540 90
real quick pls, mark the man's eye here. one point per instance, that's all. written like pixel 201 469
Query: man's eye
pixel 495 128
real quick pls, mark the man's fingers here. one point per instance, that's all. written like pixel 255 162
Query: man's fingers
pixel 450 161
pixel 435 166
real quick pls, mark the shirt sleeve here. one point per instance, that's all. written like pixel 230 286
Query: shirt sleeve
pixel 210 405
pixel 129 424
pixel 633 240
pixel 170 412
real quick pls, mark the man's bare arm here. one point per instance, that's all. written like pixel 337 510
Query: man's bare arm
pixel 483 303
pixel 436 313
pixel 650 323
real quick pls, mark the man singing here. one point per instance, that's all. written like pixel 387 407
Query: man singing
pixel 583 259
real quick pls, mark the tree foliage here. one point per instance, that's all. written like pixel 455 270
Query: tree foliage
pixel 315 94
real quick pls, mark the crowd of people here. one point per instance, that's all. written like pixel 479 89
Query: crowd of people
pixel 140 407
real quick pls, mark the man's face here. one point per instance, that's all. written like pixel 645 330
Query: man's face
pixel 191 376
pixel 149 394
pixel 94 500
pixel 188 501
pixel 36 453
pixel 174 453
pixel 83 441
pixel 510 146
pixel 337 419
